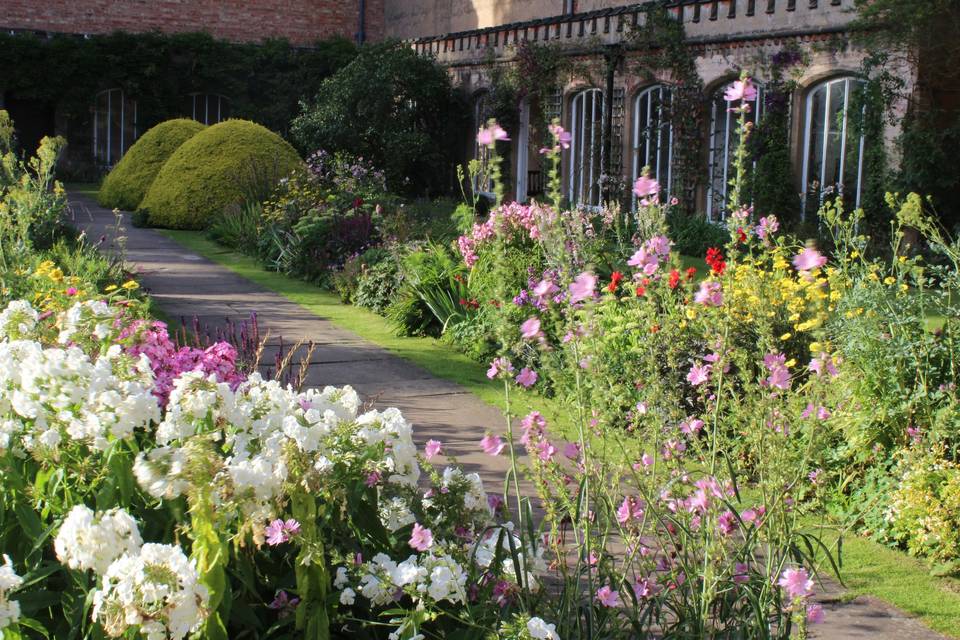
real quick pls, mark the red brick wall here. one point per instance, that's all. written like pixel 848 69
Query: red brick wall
pixel 300 21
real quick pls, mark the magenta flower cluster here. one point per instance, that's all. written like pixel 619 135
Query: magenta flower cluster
pixel 168 361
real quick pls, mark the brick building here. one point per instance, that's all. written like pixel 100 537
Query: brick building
pixel 122 104
pixel 616 112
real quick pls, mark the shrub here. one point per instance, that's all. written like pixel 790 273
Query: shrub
pixel 238 227
pixel 692 235
pixel 391 106
pixel 378 285
pixel 128 182
pixel 201 178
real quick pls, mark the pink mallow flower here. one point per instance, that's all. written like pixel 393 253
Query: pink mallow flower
pixel 489 135
pixel 499 366
pixel 698 374
pixel 796 582
pixel 432 449
pixel 492 445
pixel 809 259
pixel 815 614
pixel 527 377
pixel 421 539
pixel 740 90
pixel 608 597
pixel 280 531
pixel 530 328
pixel 647 189
pixel 583 287
pixel 710 294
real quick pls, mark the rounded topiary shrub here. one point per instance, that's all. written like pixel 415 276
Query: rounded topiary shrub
pixel 228 163
pixel 128 182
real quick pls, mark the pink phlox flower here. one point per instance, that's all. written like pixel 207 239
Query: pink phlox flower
pixel 583 287
pixel 527 377
pixel 530 328
pixel 608 597
pixel 796 582
pixel 421 539
pixel 432 449
pixel 492 445
pixel 809 259
pixel 709 294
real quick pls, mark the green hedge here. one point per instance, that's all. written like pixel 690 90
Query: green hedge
pixel 128 182
pixel 225 164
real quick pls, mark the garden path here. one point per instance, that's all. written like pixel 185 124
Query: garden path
pixel 186 285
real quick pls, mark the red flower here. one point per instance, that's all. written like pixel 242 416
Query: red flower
pixel 692 271
pixel 715 260
pixel 655 328
pixel 674 278
pixel 615 279
pixel 741 236
pixel 357 203
pixel 641 290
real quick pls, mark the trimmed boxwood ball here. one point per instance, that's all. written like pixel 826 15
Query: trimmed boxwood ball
pixel 222 165
pixel 128 182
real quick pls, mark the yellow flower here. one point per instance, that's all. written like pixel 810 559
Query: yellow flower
pixel 902 259
pixel 904 287
pixel 889 280
pixel 815 347
pixel 691 313
pixel 130 285
pixel 854 254
pixel 792 362
pixel 110 287
pixel 786 336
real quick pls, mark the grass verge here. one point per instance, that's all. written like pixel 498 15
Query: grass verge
pixel 868 568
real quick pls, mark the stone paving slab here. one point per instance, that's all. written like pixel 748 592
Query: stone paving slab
pixel 185 284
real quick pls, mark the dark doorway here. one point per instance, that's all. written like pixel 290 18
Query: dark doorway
pixel 32 119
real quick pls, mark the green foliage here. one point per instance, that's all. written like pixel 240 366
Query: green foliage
pixel 264 81
pixel 239 227
pixel 201 178
pixel 393 107
pixel 692 235
pixel 32 203
pixel 128 182
pixel 378 284
pixel 433 294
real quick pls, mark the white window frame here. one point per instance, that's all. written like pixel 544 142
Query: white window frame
pixel 523 151
pixel 481 152
pixel 585 146
pixel 717 202
pixel 220 100
pixel 849 85
pixel 108 159
pixel 643 147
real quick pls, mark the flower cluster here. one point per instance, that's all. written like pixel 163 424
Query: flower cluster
pixel 9 581
pixel 89 540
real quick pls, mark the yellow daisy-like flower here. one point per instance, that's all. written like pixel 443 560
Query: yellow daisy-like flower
pixel 889 280
pixel 110 287
pixel 130 285
pixel 786 336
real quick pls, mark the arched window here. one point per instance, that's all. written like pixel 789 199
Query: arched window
pixel 832 142
pixel 585 166
pixel 482 112
pixel 724 142
pixel 653 136
pixel 114 126
pixel 208 108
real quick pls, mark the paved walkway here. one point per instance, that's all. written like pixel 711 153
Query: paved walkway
pixel 187 285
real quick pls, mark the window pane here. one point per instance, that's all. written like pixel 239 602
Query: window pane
pixel 583 186
pixel 724 143
pixel 653 136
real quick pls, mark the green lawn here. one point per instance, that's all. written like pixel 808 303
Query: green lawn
pixel 868 568
pixel 88 189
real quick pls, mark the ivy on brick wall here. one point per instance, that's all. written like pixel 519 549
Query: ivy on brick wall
pixel 263 82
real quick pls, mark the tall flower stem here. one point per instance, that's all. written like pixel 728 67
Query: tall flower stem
pixel 313 580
